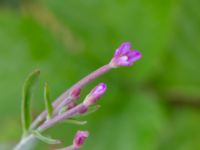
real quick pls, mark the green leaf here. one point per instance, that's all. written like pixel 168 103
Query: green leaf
pixel 26 97
pixel 48 105
pixel 75 121
pixel 45 139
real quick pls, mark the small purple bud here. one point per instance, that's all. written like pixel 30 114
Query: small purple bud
pixel 79 139
pixel 124 56
pixel 95 94
pixel 75 93
pixel 83 109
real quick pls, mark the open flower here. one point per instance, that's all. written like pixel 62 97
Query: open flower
pixel 79 139
pixel 124 56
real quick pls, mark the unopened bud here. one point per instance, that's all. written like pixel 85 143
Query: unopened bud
pixel 95 94
pixel 75 93
pixel 79 139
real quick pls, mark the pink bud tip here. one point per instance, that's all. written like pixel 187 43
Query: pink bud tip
pixel 79 139
pixel 95 94
pixel 124 56
pixel 75 93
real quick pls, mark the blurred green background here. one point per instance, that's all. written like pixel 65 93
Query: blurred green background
pixel 154 105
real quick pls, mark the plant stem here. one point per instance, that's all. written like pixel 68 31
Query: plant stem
pixel 28 139
pixel 68 114
pixel 68 148
pixel 25 143
pixel 102 70
pixel 56 104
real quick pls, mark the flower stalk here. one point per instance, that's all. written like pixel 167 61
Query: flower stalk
pixel 65 96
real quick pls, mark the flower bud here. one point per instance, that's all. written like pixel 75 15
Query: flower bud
pixel 95 94
pixel 75 94
pixel 79 139
pixel 124 56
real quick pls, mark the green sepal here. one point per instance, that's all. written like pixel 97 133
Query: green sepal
pixel 48 104
pixel 26 98
pixel 45 139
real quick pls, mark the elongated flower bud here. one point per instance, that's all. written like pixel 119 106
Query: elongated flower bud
pixel 79 139
pixel 124 56
pixel 95 94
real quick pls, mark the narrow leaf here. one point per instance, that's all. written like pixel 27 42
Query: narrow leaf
pixel 74 121
pixel 48 105
pixel 45 139
pixel 26 97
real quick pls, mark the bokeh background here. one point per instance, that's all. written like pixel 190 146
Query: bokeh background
pixel 154 105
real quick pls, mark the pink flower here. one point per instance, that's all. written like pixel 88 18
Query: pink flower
pixel 95 94
pixel 79 139
pixel 124 56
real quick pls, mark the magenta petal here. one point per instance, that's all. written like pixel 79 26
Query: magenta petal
pixel 124 47
pixel 124 56
pixel 124 63
pixel 134 55
pixel 95 94
pixel 99 89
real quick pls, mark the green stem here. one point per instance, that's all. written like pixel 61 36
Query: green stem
pixel 26 143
